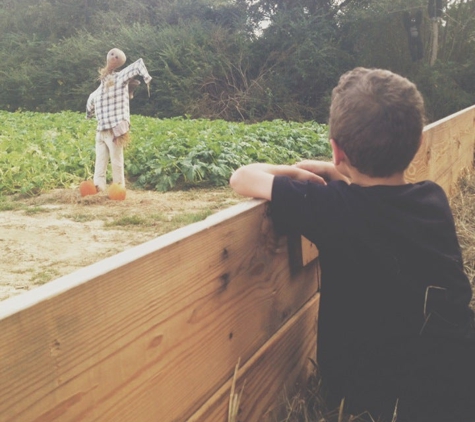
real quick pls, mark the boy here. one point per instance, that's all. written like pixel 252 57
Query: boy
pixel 395 333
pixel 110 104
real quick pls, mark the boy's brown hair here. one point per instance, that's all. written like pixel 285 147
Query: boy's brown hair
pixel 377 118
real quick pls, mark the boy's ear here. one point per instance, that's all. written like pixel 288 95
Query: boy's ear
pixel 338 154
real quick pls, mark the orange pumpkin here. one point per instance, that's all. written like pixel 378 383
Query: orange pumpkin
pixel 116 192
pixel 87 187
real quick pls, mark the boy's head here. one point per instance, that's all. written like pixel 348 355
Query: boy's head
pixel 115 58
pixel 377 118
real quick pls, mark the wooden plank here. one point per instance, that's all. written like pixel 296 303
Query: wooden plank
pixel 309 251
pixel 275 371
pixel 301 251
pixel 151 333
pixel 447 150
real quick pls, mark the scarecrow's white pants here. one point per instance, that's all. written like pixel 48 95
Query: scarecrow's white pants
pixel 105 148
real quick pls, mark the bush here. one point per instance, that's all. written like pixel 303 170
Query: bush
pixel 441 87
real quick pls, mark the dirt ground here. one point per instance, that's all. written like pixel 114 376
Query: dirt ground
pixel 51 235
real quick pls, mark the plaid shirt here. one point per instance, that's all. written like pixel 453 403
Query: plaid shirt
pixel 110 101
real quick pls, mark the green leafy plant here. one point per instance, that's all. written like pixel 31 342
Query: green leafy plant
pixel 172 153
pixel 43 151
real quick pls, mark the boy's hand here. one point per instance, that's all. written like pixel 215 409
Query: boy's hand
pixel 303 174
pixel 324 169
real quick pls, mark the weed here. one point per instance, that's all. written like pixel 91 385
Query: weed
pixel 133 220
pixel 81 218
pixel 6 205
pixel 44 276
pixel 36 210
pixel 189 218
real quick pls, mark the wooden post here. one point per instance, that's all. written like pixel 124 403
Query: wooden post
pixel 435 40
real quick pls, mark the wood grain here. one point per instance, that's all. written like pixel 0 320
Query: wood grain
pixel 447 149
pixel 301 252
pixel 275 371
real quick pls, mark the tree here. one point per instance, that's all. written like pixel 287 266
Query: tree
pixel 216 58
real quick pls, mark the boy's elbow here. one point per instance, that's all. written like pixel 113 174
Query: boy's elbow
pixel 234 180
pixel 252 184
pixel 238 183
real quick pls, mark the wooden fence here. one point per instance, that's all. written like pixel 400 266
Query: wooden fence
pixel 155 333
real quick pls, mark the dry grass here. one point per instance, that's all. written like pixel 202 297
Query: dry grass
pixel 463 208
pixel 235 398
pixel 309 406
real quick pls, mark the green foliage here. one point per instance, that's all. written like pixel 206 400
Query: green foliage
pixel 214 59
pixel 306 61
pixel 183 59
pixel 442 88
pixel 457 40
pixel 374 34
pixel 377 39
pixel 43 151
pixel 181 42
pixel 172 152
pixel 39 152
pixel 7 205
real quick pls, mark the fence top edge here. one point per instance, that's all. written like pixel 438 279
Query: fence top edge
pixel 470 109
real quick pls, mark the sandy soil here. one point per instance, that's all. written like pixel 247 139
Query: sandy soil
pixel 54 234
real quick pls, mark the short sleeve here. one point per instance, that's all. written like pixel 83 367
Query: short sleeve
pixel 288 200
pixel 312 210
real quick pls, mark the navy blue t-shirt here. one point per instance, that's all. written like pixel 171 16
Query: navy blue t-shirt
pixel 392 270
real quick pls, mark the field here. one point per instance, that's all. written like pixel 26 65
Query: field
pixel 40 151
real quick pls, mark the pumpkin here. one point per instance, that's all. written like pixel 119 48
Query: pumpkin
pixel 87 187
pixel 116 192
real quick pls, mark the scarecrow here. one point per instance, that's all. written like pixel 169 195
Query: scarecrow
pixel 109 103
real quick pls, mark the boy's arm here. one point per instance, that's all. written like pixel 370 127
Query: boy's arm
pixel 255 180
pixel 90 106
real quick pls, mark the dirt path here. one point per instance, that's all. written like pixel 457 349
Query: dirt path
pixel 54 234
